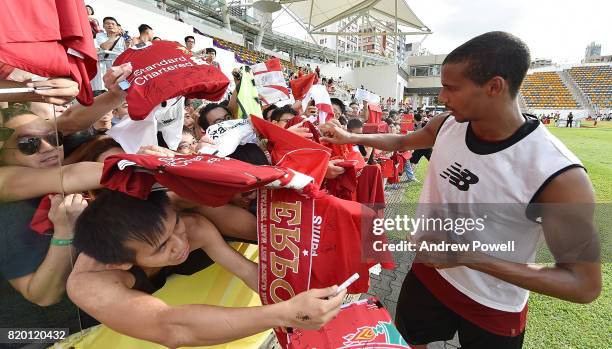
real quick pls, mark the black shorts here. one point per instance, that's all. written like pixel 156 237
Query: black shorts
pixel 422 319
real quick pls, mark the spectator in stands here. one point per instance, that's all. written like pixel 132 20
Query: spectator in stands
pixel 189 42
pixel 338 107
pixel 353 110
pixel 570 119
pixel 93 22
pixel 146 35
pixel 211 54
pixel 330 86
pixel 318 71
pixel 120 113
pixel 37 265
pixel 282 115
pixel 308 69
pixel 267 112
pixel 188 142
pixel 300 72
pixel 211 114
pixel 189 118
pixel 110 44
pixel 355 125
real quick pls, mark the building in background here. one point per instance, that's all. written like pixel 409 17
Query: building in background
pixel 540 62
pixel 594 49
pixel 345 43
pixel 424 82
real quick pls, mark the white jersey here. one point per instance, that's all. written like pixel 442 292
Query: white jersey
pixel 464 169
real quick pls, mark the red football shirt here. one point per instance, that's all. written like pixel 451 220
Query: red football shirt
pixel 359 325
pixel 205 179
pixel 49 38
pixel 164 70
pixel 289 150
pixel 342 244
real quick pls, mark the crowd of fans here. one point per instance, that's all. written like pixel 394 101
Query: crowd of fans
pixel 55 145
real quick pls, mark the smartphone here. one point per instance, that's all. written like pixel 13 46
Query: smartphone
pixel 14 91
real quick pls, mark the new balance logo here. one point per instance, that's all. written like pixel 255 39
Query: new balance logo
pixel 458 177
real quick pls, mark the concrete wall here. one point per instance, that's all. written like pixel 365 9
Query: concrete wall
pixel 425 60
pixel 382 80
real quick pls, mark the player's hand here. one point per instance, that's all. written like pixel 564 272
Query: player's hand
pixel 300 130
pixel 64 213
pixel 334 171
pixel 310 310
pixel 59 91
pixel 332 133
pixel 155 150
pixel 115 75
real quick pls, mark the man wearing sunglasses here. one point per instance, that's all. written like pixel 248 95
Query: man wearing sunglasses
pixel 32 142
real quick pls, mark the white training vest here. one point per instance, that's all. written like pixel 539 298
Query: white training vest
pixel 511 171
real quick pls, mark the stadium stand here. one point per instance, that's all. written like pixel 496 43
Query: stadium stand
pixel 596 83
pixel 245 55
pixel 542 90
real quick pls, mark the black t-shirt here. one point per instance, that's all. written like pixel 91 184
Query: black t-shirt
pixel 21 252
pixel 21 249
pixel 197 260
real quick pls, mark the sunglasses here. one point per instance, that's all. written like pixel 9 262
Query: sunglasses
pixel 31 145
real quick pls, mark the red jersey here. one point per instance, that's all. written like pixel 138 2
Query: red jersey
pixel 165 70
pixel 49 38
pixel 289 150
pixel 205 179
pixel 363 324
pixel 342 230
pixel 370 190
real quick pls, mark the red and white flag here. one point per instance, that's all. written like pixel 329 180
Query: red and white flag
pixel 270 81
pixel 301 86
pixel 318 94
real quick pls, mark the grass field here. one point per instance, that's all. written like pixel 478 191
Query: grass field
pixel 553 323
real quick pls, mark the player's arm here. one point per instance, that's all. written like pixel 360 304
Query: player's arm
pixel 567 219
pixel 106 296
pixel 203 234
pixel 22 183
pixel 420 139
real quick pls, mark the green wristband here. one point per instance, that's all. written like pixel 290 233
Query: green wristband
pixel 61 242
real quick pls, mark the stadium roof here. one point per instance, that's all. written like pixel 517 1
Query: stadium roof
pixel 317 14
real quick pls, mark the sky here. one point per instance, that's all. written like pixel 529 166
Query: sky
pixel 558 30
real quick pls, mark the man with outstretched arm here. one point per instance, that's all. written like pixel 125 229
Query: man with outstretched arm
pixel 129 246
pixel 485 151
